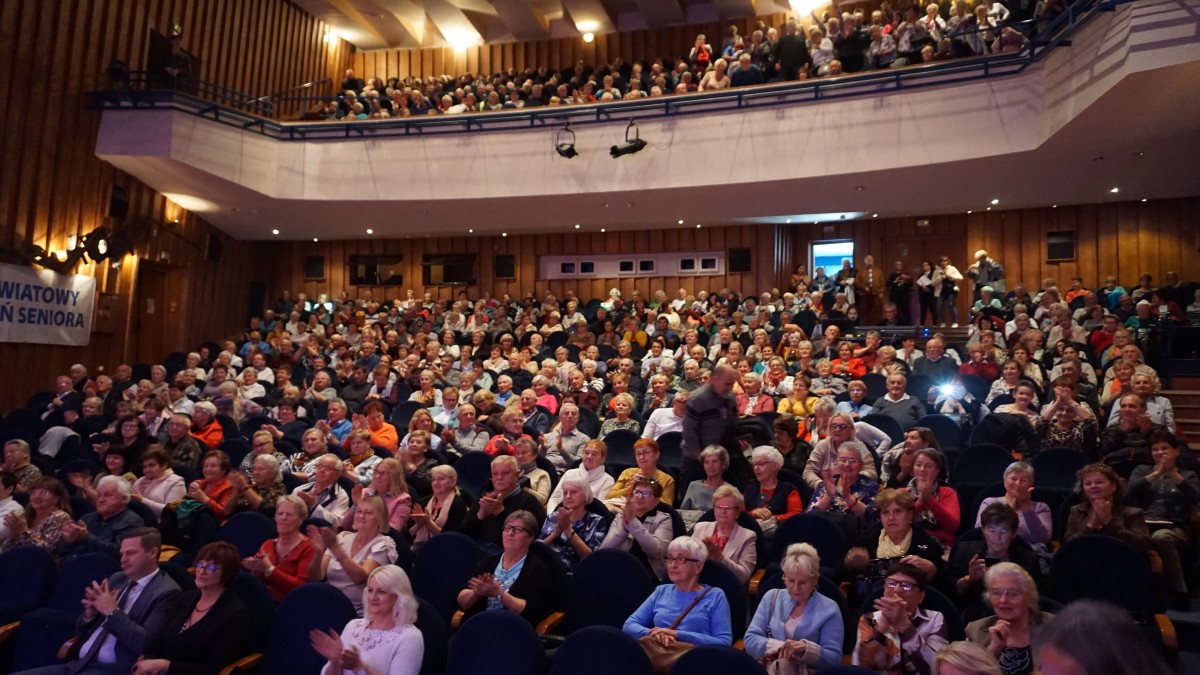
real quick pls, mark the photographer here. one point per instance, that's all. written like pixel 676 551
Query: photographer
pixel 971 559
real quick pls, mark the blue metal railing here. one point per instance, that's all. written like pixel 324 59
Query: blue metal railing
pixel 255 112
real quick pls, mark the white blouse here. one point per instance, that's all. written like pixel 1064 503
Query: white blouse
pixel 161 491
pixel 396 652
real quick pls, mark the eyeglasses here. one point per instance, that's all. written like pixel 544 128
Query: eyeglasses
pixel 210 567
pixel 515 529
pixel 679 560
pixel 905 586
pixel 1002 593
pixel 839 426
pixel 645 494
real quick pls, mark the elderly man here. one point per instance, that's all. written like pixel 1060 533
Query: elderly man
pixel 325 498
pixel 711 412
pixel 102 530
pixel 205 427
pixel 986 272
pixel 469 436
pixel 338 425
pixel 180 445
pixel 1158 407
pixel 936 364
pixel 562 446
pixel 123 614
pixel 65 398
pixel 668 419
pixel 533 418
pixel 486 521
pixel 16 461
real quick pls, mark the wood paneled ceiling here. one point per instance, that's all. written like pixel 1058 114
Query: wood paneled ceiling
pixel 381 24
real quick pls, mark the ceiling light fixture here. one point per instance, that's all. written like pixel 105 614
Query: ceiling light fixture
pixel 968 212
pixel 471 231
pixel 589 37
pixel 274 231
pixel 602 230
pixel 995 202
pixel 577 226
pixel 874 215
pixel 631 145
pixel 697 226
pixel 503 234
pixel 315 240
pixel 1115 190
pixel 370 231
pixel 681 221
pixel 788 221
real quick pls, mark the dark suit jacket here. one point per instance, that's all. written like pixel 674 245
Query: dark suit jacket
pixel 213 642
pixel 141 625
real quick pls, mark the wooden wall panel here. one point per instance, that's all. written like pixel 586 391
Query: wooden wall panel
pixel 52 186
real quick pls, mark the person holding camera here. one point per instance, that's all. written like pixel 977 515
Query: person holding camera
pixel 998 525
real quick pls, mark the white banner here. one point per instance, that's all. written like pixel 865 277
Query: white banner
pixel 45 307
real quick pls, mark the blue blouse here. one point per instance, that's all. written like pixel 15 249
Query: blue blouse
pixel 707 623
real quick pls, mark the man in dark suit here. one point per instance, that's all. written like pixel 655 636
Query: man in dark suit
pixel 122 614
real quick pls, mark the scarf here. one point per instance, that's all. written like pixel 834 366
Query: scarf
pixel 363 457
pixel 887 549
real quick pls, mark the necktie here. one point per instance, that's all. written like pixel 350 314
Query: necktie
pixel 102 632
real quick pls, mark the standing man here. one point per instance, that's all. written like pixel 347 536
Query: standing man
pixel 986 272
pixel 870 281
pixel 711 412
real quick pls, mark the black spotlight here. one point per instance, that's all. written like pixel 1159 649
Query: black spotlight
pixel 564 142
pixel 96 244
pixel 631 145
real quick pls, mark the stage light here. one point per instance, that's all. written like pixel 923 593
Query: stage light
pixel 631 145
pixel 564 142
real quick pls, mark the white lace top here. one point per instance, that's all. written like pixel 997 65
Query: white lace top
pixel 395 652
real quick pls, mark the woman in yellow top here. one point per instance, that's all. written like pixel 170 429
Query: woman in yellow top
pixel 799 402
pixel 645 453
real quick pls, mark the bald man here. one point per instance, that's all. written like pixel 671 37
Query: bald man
pixel 711 412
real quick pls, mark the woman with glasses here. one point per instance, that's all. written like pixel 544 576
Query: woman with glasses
pixel 705 623
pixel 645 453
pixel 796 623
pixel 824 454
pixel 972 559
pixel 642 528
pixel 728 542
pixel 1016 623
pixel 385 640
pixel 899 636
pixel 210 627
pixel 769 499
pixel 846 494
pixel 513 581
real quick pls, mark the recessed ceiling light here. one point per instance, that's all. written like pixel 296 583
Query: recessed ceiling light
pixel 503 234
pixel 1115 190
pixel 315 239
pixel 605 205
pixel 995 202
pixel 968 212
pixel 274 231
pixel 989 208
pixel 788 221
pixel 874 215
pixel 577 226
pixel 370 231
pixel 681 221
pixel 1143 199
pixel 1055 206
pixel 860 188
pixel 471 231
pixel 602 230
pixel 1139 153
pixel 816 222
pixel 176 220
pixel 697 226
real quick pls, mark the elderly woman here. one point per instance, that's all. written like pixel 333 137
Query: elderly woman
pixel 1010 377
pixel 388 484
pixel 962 657
pixel 1024 403
pixel 751 400
pixel 385 641
pixel 346 559
pixel 260 493
pixel 769 499
pixel 513 580
pixel 426 394
pixel 571 530
pixel 210 627
pixel 1168 495
pixel 815 428
pixel 683 610
pixel 699 495
pixel 213 490
pixel 642 528
pixel 622 408
pixel 444 510
pixel 591 469
pixel 422 420
pixel 796 623
pixel 900 636
pixel 42 522
pixel 1016 623
pixel 897 463
pixel 1036 519
pixel 261 443
pixel 727 542
pixel 847 494
pixel 359 467
pixel 116 463
pixel 857 407
pixel 303 464
pixel 795 452
pixel 645 453
pixel 283 562
pixel 525 451
pixel 824 454
pixel 973 558
pixel 799 402
pixel 1103 510
pixel 417 464
pixel 936 506
pixel 380 431
pixel 159 485
pixel 895 539
pixel 1065 422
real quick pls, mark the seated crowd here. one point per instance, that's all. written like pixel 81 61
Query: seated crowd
pixel 836 43
pixel 680 431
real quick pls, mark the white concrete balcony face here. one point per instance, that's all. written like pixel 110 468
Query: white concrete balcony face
pixel 1127 84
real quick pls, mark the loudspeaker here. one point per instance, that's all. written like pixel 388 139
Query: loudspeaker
pixel 118 203
pixel 739 260
pixel 314 267
pixel 213 253
pixel 1060 245
pixel 506 266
